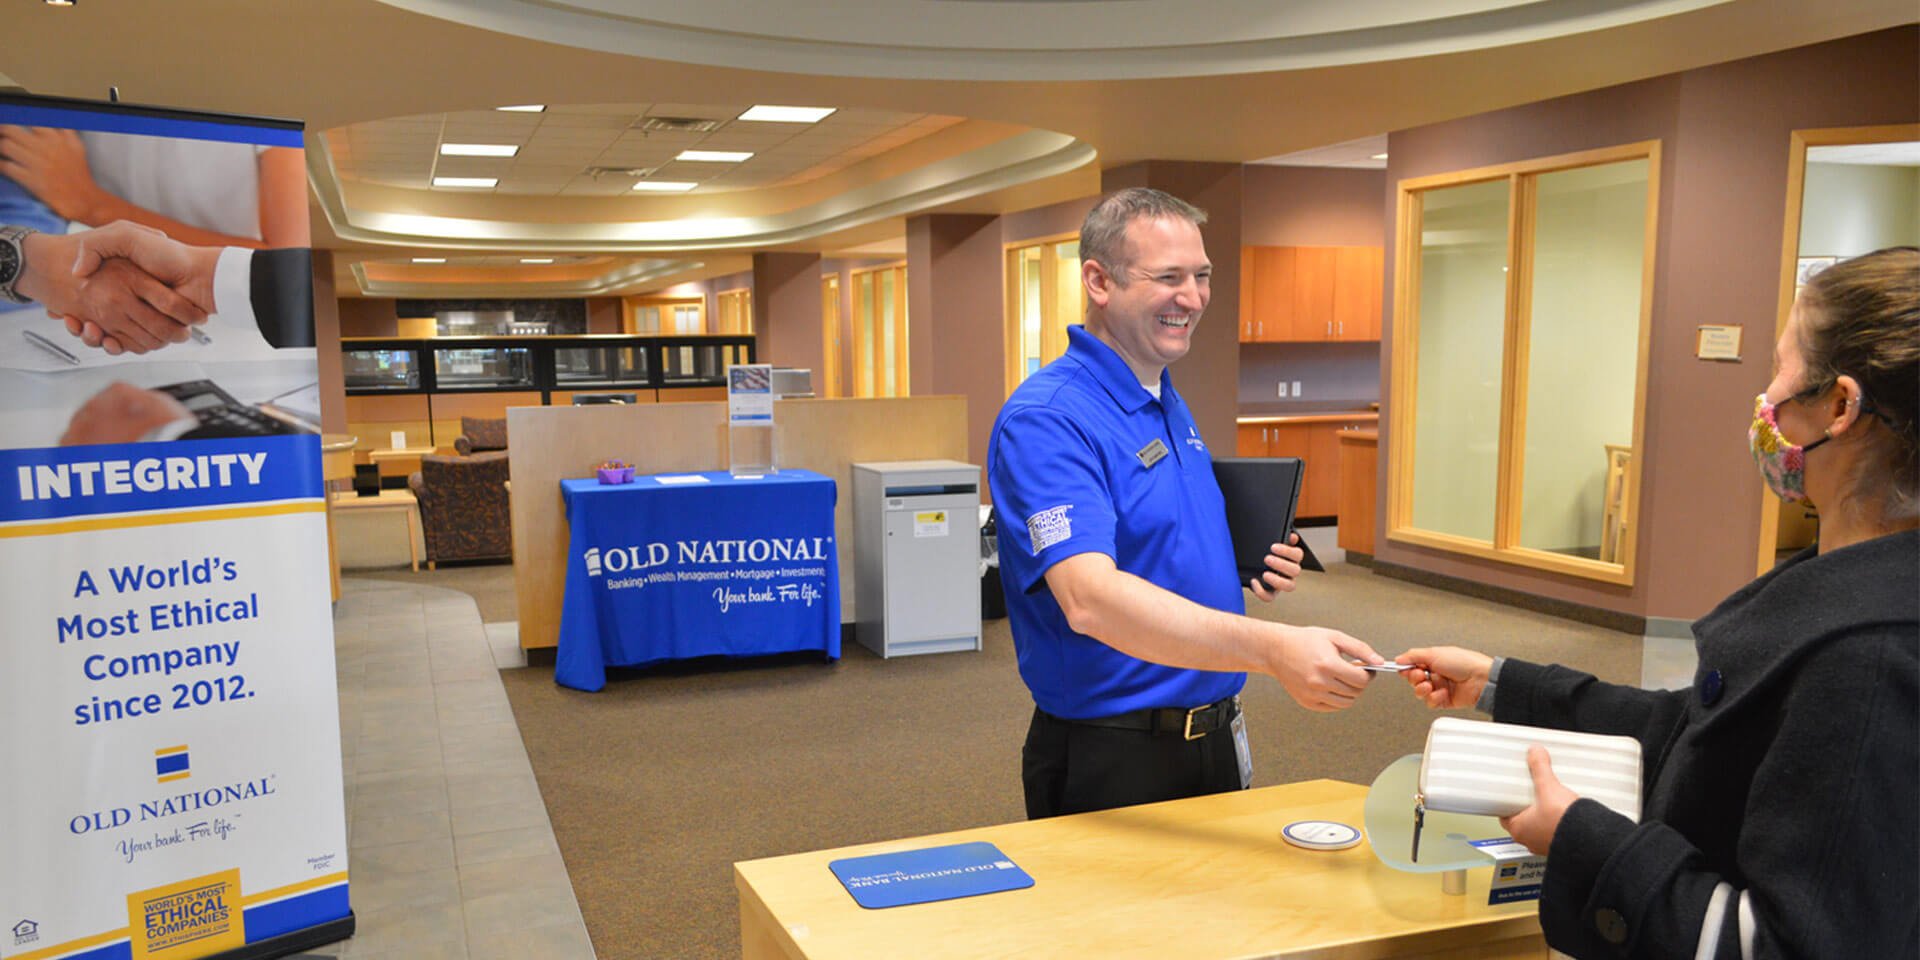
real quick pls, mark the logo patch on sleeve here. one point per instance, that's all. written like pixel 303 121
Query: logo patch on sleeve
pixel 1050 526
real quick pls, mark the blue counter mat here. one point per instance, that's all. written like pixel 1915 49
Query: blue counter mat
pixel 924 876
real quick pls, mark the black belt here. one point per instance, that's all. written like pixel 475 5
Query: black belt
pixel 1189 724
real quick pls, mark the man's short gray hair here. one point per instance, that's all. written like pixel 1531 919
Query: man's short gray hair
pixel 1103 235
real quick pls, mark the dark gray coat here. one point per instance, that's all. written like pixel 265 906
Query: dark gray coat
pixel 1789 771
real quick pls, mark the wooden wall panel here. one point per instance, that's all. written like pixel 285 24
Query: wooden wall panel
pixel 373 419
pixel 564 398
pixel 827 436
pixel 693 394
pixel 448 408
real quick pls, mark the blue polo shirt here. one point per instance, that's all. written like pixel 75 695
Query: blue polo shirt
pixel 1069 468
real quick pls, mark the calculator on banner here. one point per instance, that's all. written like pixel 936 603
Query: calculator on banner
pixel 221 415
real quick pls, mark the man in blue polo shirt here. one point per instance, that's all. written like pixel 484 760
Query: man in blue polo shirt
pixel 1126 609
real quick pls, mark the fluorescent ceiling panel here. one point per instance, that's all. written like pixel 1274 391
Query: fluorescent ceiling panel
pixel 773 114
pixel 478 149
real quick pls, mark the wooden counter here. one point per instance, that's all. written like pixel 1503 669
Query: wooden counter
pixel 1202 878
pixel 1359 491
pixel 1314 438
pixel 1370 416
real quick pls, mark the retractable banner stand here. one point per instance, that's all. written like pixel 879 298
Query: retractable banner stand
pixel 170 774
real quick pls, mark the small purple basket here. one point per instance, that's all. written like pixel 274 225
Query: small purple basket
pixel 615 474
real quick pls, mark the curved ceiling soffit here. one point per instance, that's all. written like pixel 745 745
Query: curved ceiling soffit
pixel 611 283
pixel 1055 41
pixel 1021 158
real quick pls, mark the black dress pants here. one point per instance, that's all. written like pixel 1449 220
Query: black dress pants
pixel 1070 767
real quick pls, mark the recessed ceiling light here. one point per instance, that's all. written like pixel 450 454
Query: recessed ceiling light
pixel 60 3
pixel 665 186
pixel 478 149
pixel 481 182
pixel 536 259
pixel 1378 156
pixel 714 156
pixel 429 259
pixel 768 114
pixel 525 108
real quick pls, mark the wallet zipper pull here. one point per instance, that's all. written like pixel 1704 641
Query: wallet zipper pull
pixel 1419 821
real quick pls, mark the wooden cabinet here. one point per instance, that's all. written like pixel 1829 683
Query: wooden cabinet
pixel 1295 294
pixel 1316 441
pixel 1359 474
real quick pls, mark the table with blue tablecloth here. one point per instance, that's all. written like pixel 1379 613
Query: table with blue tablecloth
pixel 692 565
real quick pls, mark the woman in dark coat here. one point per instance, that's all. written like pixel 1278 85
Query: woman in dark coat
pixel 1782 807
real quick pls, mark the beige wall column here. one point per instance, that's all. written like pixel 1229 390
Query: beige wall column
pixel 955 315
pixel 786 309
pixel 1209 376
pixel 326 342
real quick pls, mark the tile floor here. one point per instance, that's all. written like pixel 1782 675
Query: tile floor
pixel 450 850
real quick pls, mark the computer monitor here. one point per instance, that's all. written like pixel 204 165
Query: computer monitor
pixel 588 399
pixel 1261 494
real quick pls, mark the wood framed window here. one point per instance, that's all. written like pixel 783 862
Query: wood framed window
pixel 830 344
pixel 735 308
pixel 663 315
pixel 880 331
pixel 1839 205
pixel 1523 298
pixel 1043 296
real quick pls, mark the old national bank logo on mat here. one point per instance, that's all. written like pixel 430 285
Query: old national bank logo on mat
pixel 203 912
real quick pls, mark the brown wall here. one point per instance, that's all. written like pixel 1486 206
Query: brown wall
pixel 603 315
pixel 1047 221
pixel 1725 132
pixel 1312 207
pixel 955 309
pixel 367 317
pixel 1209 376
pixel 326 343
pixel 786 309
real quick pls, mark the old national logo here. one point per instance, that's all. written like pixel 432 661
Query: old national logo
pixel 170 763
pixel 204 912
pixel 593 561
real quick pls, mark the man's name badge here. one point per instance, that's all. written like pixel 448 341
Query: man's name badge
pixel 1152 453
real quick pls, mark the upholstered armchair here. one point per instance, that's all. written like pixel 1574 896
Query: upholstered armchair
pixel 480 434
pixel 464 507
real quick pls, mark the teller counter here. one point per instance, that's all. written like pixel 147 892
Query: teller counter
pixel 1202 879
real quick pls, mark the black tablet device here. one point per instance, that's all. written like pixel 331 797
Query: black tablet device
pixel 1261 495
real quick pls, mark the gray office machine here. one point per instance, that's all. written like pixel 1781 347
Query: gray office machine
pixel 917 556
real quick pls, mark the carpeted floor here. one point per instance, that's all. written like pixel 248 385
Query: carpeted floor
pixel 656 785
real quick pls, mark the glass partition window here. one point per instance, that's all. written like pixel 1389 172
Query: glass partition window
pixel 380 369
pixel 1520 360
pixel 1044 296
pixel 599 365
pixel 700 363
pixel 1582 335
pixel 491 367
pixel 1463 290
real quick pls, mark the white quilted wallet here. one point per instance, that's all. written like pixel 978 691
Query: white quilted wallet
pixel 1473 766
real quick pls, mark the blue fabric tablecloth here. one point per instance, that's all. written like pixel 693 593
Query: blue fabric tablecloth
pixel 664 571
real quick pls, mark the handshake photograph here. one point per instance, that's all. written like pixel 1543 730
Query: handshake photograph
pixel 144 296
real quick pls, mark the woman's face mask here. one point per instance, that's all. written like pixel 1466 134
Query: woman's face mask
pixel 1783 464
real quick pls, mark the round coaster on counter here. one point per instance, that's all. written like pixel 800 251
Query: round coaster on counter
pixel 1320 834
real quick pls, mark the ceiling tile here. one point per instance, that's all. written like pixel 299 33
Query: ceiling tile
pixel 629 110
pixel 586 120
pixel 702 111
